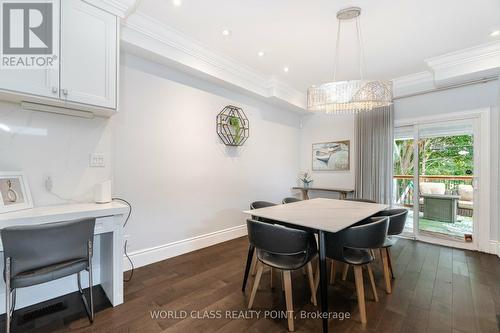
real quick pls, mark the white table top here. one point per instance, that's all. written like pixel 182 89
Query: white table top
pixel 47 214
pixel 322 214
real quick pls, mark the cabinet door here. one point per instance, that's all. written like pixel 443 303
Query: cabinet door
pixel 41 82
pixel 88 54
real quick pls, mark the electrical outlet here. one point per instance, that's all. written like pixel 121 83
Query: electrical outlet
pixel 97 161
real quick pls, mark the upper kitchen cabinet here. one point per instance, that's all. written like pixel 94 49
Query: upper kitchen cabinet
pixel 88 54
pixel 84 45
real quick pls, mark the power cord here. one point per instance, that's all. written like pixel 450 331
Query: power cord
pixel 125 245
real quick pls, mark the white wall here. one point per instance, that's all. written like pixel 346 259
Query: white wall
pixel 42 144
pixel 326 128
pixel 169 162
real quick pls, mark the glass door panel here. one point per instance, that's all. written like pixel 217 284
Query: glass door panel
pixel 445 179
pixel 404 174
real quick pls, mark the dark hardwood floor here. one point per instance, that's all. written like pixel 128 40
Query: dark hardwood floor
pixel 437 289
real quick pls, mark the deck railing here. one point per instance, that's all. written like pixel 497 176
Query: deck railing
pixel 404 186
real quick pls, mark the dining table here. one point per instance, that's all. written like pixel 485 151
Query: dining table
pixel 320 216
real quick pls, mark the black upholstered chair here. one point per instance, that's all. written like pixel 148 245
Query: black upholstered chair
pixel 397 220
pixel 290 200
pixel 285 249
pixel 352 246
pixel 250 257
pixel 360 200
pixel 41 253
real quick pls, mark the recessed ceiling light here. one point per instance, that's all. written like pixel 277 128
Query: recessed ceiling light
pixel 286 69
pixel 261 53
pixel 495 33
pixel 177 3
pixel 226 32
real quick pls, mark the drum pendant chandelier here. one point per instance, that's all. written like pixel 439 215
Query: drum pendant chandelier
pixel 354 96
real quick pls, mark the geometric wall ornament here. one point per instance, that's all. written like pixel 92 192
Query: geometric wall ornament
pixel 233 127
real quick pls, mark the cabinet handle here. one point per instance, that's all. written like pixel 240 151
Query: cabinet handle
pixel 65 92
pixel 54 90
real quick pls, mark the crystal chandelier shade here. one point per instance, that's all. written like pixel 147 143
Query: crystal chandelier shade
pixel 354 96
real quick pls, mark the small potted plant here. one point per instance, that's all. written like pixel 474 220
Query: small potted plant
pixel 305 178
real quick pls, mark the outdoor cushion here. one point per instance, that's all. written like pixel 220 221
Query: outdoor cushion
pixel 466 192
pixel 465 204
pixel 432 188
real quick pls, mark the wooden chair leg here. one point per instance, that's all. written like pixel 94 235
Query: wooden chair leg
pixel 372 282
pixel 360 290
pixel 344 273
pixel 304 272
pixel 289 299
pixel 311 283
pixel 260 268
pixel 254 264
pixel 389 260
pixel 316 280
pixel 332 272
pixel 387 278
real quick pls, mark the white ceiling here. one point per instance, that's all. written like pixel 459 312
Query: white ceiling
pixel 398 34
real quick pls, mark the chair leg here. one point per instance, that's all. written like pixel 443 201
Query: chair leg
pixel 332 272
pixel 316 279
pixel 289 299
pixel 256 282
pixel 89 308
pixel 7 295
pixel 389 260
pixel 254 267
pixel 383 254
pixel 360 290
pixel 272 278
pixel 344 273
pixel 372 282
pixel 250 260
pixel 311 283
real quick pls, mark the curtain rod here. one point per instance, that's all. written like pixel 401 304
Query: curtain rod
pixel 450 86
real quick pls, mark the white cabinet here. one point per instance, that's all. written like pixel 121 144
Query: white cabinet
pixel 86 76
pixel 40 82
pixel 88 54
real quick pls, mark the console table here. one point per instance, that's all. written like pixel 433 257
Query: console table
pixel 108 255
pixel 343 192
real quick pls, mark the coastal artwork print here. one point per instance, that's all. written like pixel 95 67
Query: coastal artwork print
pixel 331 156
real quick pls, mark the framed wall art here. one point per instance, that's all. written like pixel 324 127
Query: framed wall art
pixel 14 192
pixel 331 156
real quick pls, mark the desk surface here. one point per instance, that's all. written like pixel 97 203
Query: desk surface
pixel 321 214
pixel 47 214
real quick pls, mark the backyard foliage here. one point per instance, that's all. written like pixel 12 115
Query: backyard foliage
pixel 447 155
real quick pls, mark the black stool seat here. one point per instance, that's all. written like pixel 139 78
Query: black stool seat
pixel 357 256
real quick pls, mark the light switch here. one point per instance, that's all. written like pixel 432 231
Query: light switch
pixel 97 161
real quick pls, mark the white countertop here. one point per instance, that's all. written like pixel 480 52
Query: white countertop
pixel 66 212
pixel 322 214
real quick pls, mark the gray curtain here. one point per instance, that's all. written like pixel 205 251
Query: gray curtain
pixel 374 141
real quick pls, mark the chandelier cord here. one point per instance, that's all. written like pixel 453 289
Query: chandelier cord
pixel 337 48
pixel 361 52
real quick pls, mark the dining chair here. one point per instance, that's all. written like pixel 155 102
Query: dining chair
pixel 251 259
pixel 284 249
pixel 41 253
pixel 397 220
pixel 290 200
pixel 353 246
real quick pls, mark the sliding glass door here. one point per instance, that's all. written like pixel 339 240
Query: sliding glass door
pixel 435 166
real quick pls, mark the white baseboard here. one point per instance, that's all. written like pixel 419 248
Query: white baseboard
pixel 158 253
pixel 495 247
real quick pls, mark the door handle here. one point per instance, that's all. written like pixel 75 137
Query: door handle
pixel 54 90
pixel 65 92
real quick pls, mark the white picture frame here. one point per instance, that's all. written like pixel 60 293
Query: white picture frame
pixel 14 192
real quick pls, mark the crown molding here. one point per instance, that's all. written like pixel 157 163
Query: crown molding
pixel 119 8
pixel 413 83
pixel 152 39
pixel 468 64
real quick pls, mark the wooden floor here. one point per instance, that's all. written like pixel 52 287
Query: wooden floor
pixel 437 289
